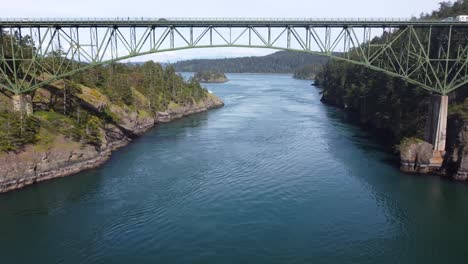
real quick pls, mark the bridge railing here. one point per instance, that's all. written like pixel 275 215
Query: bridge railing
pixel 163 19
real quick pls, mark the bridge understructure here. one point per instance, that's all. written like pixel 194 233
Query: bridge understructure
pixel 430 54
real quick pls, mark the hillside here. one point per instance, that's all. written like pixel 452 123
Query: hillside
pixel 278 62
pixel 75 123
pixel 394 108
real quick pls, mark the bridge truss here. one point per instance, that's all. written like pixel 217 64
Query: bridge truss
pixel 430 54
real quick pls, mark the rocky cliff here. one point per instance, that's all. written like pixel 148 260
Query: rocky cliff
pixel 415 155
pixel 61 155
pixel 456 159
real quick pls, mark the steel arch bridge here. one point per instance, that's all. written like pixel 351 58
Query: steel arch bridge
pixel 430 54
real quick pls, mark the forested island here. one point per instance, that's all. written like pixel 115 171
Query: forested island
pixel 211 76
pixel 396 110
pixel 75 123
pixel 278 62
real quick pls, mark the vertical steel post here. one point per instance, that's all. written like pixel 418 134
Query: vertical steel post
pixel 211 36
pixel 269 36
pixel 172 37
pixel 191 36
pixel 13 57
pixel 447 61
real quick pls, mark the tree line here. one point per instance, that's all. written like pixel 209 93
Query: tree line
pixel 58 108
pixel 278 62
pixel 393 106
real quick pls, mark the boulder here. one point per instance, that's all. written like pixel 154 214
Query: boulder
pixel 415 157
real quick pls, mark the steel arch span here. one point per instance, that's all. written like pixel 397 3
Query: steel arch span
pixel 430 54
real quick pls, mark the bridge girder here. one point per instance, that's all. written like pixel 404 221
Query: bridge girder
pixel 433 56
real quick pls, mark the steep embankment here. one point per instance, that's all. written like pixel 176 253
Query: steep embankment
pixel 57 153
pixel 416 154
pixel 397 111
pixel 456 160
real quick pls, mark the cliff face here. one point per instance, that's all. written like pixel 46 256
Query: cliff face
pixel 415 156
pixel 63 156
pixel 456 160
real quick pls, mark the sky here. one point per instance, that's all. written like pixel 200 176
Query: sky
pixel 215 8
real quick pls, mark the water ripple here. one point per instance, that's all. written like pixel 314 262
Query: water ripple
pixel 273 177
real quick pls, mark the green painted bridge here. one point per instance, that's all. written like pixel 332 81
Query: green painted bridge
pixel 432 54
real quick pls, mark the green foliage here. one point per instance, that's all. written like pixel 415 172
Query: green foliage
pixel 93 132
pixel 209 76
pixel 278 62
pixel 460 109
pixel 158 85
pixel 407 141
pixel 20 48
pixel 146 88
pixel 449 9
pixel 109 116
pixel 307 72
pixel 17 131
pixel 383 102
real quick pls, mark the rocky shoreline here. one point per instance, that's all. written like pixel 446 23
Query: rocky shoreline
pixel 416 155
pixel 64 157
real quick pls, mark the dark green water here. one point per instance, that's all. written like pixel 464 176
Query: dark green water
pixel 273 177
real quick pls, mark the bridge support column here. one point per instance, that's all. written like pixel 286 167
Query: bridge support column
pixel 22 104
pixel 436 127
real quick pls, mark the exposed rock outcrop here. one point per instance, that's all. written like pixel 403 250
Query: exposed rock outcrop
pixel 456 159
pixel 175 111
pixel 63 158
pixel 415 157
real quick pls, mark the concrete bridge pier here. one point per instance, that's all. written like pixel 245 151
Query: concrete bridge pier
pixel 22 104
pixel 436 128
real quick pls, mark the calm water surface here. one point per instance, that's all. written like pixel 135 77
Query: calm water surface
pixel 273 177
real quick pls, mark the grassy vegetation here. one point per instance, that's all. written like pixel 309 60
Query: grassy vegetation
pixel 407 141
pixel 79 107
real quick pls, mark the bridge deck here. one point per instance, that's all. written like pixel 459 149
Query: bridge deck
pixel 225 22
